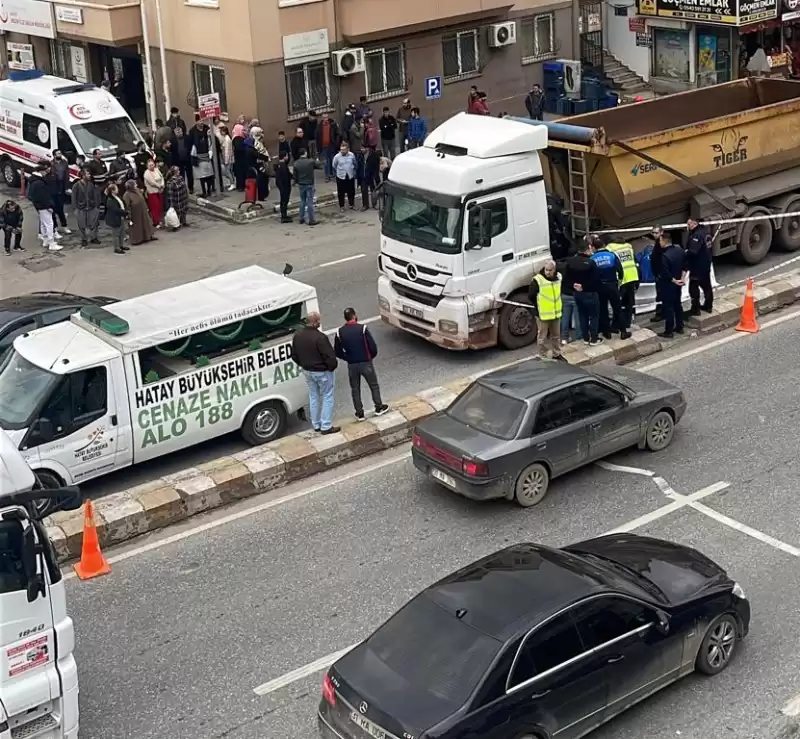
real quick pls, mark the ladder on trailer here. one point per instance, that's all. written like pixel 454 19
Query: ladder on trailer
pixel 578 193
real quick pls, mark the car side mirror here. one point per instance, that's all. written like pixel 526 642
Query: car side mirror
pixel 662 623
pixel 42 430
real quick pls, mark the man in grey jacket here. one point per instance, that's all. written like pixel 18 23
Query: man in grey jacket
pixel 304 177
pixel 86 200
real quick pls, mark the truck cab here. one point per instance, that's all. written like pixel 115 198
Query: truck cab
pixel 38 672
pixel 464 227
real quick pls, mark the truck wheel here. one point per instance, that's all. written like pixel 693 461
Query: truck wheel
pixel 10 174
pixel 788 236
pixel 264 423
pixel 517 326
pixel 756 238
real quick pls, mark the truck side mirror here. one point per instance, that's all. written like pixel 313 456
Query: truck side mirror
pixel 35 582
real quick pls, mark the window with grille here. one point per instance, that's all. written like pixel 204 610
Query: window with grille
pixel 308 87
pixel 386 71
pixel 538 37
pixel 460 53
pixel 208 79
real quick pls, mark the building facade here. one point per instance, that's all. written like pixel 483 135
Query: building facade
pixel 276 59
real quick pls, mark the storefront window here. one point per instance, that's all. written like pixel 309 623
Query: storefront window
pixel 713 55
pixel 671 54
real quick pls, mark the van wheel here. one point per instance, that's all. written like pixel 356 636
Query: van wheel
pixel 47 481
pixel 517 327
pixel 10 174
pixel 264 423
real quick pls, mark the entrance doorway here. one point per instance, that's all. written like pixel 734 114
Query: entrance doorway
pixel 125 64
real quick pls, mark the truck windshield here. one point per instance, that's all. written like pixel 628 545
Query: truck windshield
pixel 413 219
pixel 23 389
pixel 106 135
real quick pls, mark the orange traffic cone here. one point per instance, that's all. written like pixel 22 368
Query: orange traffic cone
pixel 748 322
pixel 92 563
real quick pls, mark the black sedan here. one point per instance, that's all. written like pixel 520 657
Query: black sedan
pixel 510 432
pixel 537 642
pixel 28 312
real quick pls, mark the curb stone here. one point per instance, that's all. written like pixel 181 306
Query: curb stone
pixel 219 482
pixel 233 214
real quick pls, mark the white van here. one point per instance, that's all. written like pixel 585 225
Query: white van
pixel 39 114
pixel 131 381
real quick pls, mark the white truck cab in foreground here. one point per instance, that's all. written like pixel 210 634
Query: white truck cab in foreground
pixel 140 378
pixel 465 226
pixel 38 673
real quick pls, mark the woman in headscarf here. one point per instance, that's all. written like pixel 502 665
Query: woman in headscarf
pixel 154 187
pixel 258 160
pixel 177 194
pixel 202 159
pixel 239 154
pixel 141 223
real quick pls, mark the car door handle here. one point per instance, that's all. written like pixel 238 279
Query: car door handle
pixel 508 257
pixel 114 420
pixel 541 694
pixel 542 445
pixel 596 425
pixel 616 658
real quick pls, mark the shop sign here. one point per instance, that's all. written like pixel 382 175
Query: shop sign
pixel 636 25
pixel 307 46
pixel 78 58
pixel 209 105
pixel 69 15
pixel 791 10
pixel 30 17
pixel 644 39
pixel 724 12
pixel 20 56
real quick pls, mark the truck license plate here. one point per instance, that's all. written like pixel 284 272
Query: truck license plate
pixel 367 726
pixel 441 477
pixel 408 310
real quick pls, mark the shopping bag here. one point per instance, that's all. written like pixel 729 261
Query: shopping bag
pixel 171 219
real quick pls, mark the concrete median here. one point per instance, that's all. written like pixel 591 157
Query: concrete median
pixel 167 500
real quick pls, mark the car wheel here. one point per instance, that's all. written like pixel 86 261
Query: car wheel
pixel 660 431
pixel 719 645
pixel 531 486
pixel 264 423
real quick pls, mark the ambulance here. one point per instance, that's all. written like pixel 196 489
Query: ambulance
pixel 124 383
pixel 40 113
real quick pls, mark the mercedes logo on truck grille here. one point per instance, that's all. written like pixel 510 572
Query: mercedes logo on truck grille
pixel 363 707
pixel 411 270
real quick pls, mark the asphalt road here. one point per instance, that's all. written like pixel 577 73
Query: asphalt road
pixel 338 257
pixel 175 640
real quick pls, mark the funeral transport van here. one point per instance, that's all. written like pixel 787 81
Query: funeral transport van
pixel 124 383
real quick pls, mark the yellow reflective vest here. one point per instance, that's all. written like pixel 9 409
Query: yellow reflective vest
pixel 630 272
pixel 548 299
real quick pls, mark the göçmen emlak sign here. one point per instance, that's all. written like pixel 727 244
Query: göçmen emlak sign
pixel 726 12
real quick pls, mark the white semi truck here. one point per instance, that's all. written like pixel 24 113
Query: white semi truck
pixel 38 673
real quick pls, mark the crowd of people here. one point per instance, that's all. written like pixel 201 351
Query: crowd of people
pixel 590 292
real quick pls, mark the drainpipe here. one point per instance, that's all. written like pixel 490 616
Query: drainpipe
pixel 167 101
pixel 151 96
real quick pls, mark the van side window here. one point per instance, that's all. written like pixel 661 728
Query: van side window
pixel 36 130
pixel 65 145
pixel 499 209
pixel 80 399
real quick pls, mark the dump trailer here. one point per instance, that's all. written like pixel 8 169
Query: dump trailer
pixel 731 150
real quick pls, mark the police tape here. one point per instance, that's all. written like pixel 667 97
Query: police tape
pixel 676 226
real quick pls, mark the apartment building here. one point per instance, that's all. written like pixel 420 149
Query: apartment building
pixel 276 59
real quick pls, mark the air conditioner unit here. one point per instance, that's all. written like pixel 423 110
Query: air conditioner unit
pixel 572 78
pixel 347 61
pixel 502 34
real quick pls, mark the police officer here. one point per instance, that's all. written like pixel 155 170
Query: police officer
pixel 698 262
pixel 670 280
pixel 629 284
pixel 610 272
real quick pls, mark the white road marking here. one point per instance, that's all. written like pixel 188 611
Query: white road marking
pixel 716 343
pixel 333 263
pixel 792 708
pixel 744 529
pixel 230 518
pixel 362 321
pixel 622 468
pixel 323 663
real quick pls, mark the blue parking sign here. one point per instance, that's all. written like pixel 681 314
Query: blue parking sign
pixel 433 88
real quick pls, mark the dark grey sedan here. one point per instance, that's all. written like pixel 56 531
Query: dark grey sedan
pixel 510 432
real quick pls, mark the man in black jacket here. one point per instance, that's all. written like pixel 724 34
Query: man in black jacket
pixel 354 344
pixel 670 280
pixel 39 195
pixel 388 126
pixel 583 275
pixel 698 262
pixel 312 351
pixel 283 181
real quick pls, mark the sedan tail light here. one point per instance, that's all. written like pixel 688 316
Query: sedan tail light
pixel 328 691
pixel 472 468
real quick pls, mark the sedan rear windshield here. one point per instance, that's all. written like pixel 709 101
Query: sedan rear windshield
pixel 439 656
pixel 488 411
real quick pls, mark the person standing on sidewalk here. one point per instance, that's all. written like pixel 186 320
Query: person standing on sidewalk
pixel 628 286
pixel 87 208
pixel 403 117
pixel 327 143
pixel 154 188
pixel 610 272
pixel 388 126
pixel 313 353
pixel 545 294
pixel 698 262
pixel 368 175
pixel 304 177
pixel 116 218
pixel 283 181
pixel 345 167
pixel 670 279
pixel 11 219
pixel 417 129
pixel 354 344
pixel 40 196
pixel 582 273
pixel 59 169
